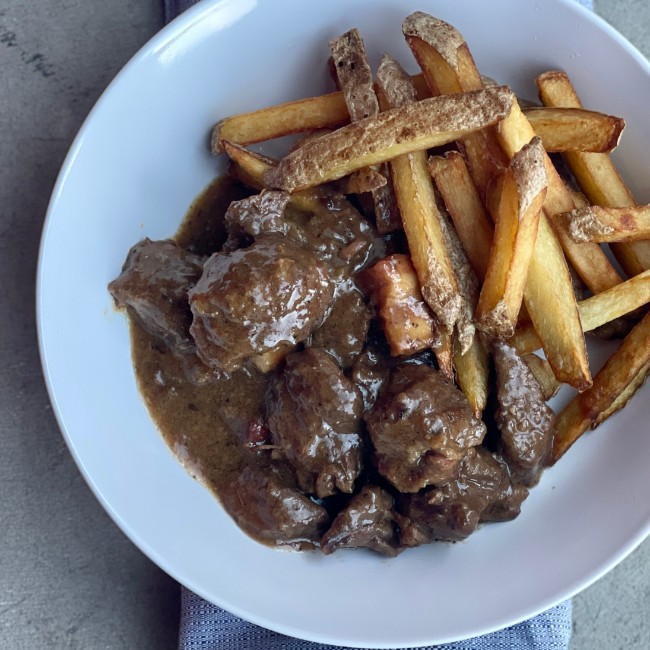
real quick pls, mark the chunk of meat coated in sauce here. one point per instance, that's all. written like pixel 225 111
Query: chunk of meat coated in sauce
pixel 267 506
pixel 370 372
pixel 421 427
pixel 343 334
pixel 250 300
pixel 314 415
pixel 342 237
pixel 526 423
pixel 154 285
pixel 481 490
pixel 368 521
pixel 258 215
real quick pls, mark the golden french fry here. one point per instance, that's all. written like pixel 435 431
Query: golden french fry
pixel 616 302
pixel 575 129
pixel 247 166
pixel 448 67
pixel 355 81
pixel 596 310
pixel 613 385
pixel 326 111
pixel 313 113
pixel 465 207
pixel 250 168
pixel 420 216
pixel 414 127
pixel 543 373
pixel 595 173
pixel 625 396
pixel 515 233
pixel 588 259
pixel 598 224
pixel 472 374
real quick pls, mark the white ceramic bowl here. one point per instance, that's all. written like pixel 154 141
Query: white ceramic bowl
pixel 139 161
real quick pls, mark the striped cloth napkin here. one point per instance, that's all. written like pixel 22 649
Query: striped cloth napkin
pixel 204 626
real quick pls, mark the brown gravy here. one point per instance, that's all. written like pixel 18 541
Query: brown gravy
pixel 189 416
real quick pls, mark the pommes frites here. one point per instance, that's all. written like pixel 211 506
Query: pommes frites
pixel 496 235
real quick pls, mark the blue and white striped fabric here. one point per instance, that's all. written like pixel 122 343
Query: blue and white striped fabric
pixel 204 626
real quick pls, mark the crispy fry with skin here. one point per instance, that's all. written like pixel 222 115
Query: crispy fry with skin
pixel 420 215
pixel 472 374
pixel 414 127
pixel 595 173
pixel 598 224
pixel 596 310
pixel 626 395
pixel 326 111
pixel 613 385
pixel 588 259
pixel 575 129
pixel 515 233
pixel 436 46
pixel 470 359
pixel 355 81
pixel 465 207
pixel 447 64
pixel 312 113
pixel 544 375
pixel 250 168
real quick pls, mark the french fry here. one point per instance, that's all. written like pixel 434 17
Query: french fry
pixel 625 396
pixel 575 129
pixel 250 168
pixel 599 224
pixel 355 81
pixel 588 259
pixel 417 202
pixel 414 127
pixel 616 302
pixel 613 386
pixel 465 207
pixel 595 173
pixel 313 113
pixel 470 355
pixel 596 310
pixel 515 233
pixel 326 111
pixel 448 67
pixel 472 374
pixel 544 375
pixel 247 166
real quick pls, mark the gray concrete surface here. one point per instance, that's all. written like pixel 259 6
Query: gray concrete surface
pixel 68 578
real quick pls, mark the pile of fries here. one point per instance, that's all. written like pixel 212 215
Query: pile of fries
pixel 497 238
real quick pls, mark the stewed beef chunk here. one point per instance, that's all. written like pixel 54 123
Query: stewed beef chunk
pixel 526 422
pixel 154 285
pixel 370 372
pixel 266 505
pixel 343 334
pixel 314 411
pixel 257 215
pixel 250 300
pixel 420 427
pixel 481 490
pixel 342 237
pixel 368 521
